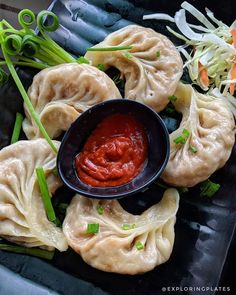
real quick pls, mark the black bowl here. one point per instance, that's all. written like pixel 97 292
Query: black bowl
pixel 75 138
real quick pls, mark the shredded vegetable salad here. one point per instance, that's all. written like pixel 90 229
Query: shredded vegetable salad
pixel 211 60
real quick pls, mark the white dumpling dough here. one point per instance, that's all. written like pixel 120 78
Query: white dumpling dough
pixel 211 126
pixel 149 79
pixel 23 218
pixel 113 249
pixel 61 93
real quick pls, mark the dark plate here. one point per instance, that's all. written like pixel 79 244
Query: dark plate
pixel 204 228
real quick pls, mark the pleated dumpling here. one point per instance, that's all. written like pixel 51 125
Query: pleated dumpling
pixel 152 68
pixel 204 140
pixel 124 243
pixel 23 218
pixel 61 93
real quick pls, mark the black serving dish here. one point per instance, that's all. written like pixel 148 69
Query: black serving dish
pixel 76 135
pixel 204 247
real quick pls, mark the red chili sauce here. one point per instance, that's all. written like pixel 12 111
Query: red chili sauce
pixel 114 153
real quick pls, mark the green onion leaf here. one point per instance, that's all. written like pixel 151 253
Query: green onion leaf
pixel 100 210
pixel 46 197
pixel 112 48
pixel 28 251
pixel 182 190
pixel 193 149
pixel 208 188
pixel 13 44
pixel 139 246
pixel 26 18
pixel 101 67
pixel 92 228
pixel 179 140
pixel 17 128
pixel 127 226
pixel 170 110
pixel 172 98
pixel 186 133
pixel 83 60
pixel 52 19
pixel 158 53
pixel 128 55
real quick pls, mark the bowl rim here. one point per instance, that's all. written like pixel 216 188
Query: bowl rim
pixel 115 195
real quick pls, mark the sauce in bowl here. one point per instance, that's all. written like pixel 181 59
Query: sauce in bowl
pixel 114 153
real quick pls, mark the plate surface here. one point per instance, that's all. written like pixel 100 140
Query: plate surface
pixel 204 228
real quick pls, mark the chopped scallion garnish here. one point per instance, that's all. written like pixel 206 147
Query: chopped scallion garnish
pixel 182 190
pixel 46 197
pixel 127 226
pixel 182 138
pixel 100 210
pixel 158 53
pixel 172 98
pixel 92 228
pixel 208 188
pixel 193 149
pixel 17 128
pixel 112 48
pixel 83 60
pixel 170 110
pixel 139 246
pixel 28 251
pixel 128 55
pixel 101 67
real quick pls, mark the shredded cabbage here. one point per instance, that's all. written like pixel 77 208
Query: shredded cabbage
pixel 212 54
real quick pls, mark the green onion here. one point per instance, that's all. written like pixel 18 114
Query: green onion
pixel 172 98
pixel 17 128
pixel 139 246
pixel 55 171
pixel 182 138
pixel 193 149
pixel 112 48
pixel 28 251
pixel 158 53
pixel 118 81
pixel 208 188
pixel 127 226
pixel 182 190
pixel 101 67
pixel 100 210
pixel 27 101
pixel 92 228
pixel 26 18
pixel 45 194
pixel 83 60
pixel 170 110
pixel 128 55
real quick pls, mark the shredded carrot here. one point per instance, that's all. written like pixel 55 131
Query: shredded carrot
pixel 232 76
pixel 203 75
pixel 233 33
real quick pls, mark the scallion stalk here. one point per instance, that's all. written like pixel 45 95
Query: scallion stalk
pixel 28 251
pixel 92 228
pixel 45 194
pixel 112 48
pixel 17 128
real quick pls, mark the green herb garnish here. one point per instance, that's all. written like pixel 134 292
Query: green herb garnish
pixel 139 246
pixel 182 138
pixel 101 67
pixel 46 197
pixel 128 55
pixel 17 128
pixel 208 188
pixel 92 228
pixel 28 251
pixel 112 48
pixel 100 210
pixel 127 226
pixel 158 53
pixel 170 110
pixel 172 98
pixel 193 149
pixel 182 190
pixel 83 60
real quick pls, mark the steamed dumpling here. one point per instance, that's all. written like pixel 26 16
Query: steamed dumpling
pixel 113 249
pixel 153 69
pixel 23 218
pixel 61 93
pixel 211 138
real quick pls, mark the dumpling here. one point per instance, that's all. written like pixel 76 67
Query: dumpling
pixel 207 126
pixel 61 93
pixel 153 69
pixel 147 243
pixel 23 218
